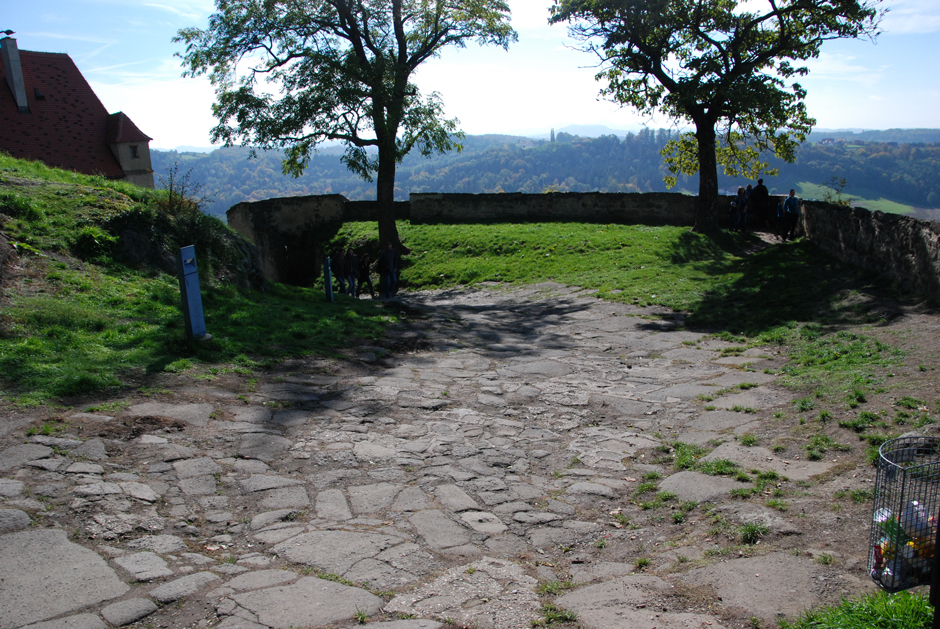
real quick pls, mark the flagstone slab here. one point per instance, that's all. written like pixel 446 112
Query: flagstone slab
pixel 622 603
pixel 334 551
pixel 310 602
pixel 439 531
pixel 698 487
pixel 18 455
pixel 489 592
pixel 765 587
pixel 45 575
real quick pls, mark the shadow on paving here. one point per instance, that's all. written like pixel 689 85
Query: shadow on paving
pixel 508 325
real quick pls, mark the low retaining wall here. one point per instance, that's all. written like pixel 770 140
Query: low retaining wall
pixel 654 208
pixel 287 232
pixel 901 249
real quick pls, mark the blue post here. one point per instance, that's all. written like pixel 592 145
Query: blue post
pixel 189 292
pixel 328 279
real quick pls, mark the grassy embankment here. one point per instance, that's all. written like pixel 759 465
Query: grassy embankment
pixel 77 319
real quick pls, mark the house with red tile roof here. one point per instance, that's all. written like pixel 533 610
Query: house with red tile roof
pixel 49 112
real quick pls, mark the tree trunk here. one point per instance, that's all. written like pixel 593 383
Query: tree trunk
pixel 385 196
pixel 706 208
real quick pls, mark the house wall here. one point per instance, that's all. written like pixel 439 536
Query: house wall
pixel 139 170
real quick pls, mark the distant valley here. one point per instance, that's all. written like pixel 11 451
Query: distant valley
pixel 896 170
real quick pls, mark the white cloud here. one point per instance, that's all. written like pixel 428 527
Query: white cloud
pixel 842 67
pixel 83 38
pixel 912 16
pixel 172 112
pixel 185 12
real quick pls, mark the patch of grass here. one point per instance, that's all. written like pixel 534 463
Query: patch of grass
pixel 554 614
pixel 751 532
pixel 904 610
pixel 743 492
pixel 779 505
pixel 862 422
pixel 804 404
pixel 911 403
pixel 820 444
pixel 651 476
pixel 825 559
pixel 644 488
pixel 641 563
pixel 686 455
pixel 718 467
pixel 748 439
pixel 678 517
pixel 553 587
pixel 361 616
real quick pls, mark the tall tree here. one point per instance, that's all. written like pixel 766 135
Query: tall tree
pixel 342 70
pixel 726 66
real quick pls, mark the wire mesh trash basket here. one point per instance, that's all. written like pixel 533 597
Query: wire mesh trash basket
pixel 904 519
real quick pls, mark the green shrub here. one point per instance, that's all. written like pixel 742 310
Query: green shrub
pixel 92 242
pixel 18 206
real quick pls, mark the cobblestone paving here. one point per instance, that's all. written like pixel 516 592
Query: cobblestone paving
pixel 493 456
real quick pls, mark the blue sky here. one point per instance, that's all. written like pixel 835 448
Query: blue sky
pixel 124 49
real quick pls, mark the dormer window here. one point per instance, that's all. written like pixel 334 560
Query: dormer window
pixel 135 151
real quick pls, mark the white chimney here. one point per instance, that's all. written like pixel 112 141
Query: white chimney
pixel 14 72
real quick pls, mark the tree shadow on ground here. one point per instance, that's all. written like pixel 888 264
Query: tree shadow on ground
pixel 502 324
pixel 773 284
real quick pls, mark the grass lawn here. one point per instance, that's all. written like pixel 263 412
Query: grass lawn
pixel 808 190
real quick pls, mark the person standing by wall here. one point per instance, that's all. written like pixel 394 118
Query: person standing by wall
pixel 340 271
pixel 364 276
pixel 740 202
pixel 759 201
pixel 748 206
pixel 791 211
pixel 352 271
pixel 386 268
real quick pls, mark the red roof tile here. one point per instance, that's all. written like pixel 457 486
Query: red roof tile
pixel 122 129
pixel 68 129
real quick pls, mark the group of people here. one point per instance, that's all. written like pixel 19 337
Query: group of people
pixel 353 272
pixel 756 200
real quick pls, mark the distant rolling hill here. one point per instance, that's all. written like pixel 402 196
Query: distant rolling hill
pixel 901 174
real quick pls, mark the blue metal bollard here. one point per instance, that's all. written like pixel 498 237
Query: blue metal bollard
pixel 328 279
pixel 190 294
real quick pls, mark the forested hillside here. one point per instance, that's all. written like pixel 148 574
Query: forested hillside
pixel 905 173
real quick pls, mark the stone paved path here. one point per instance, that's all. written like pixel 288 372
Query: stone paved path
pixel 463 480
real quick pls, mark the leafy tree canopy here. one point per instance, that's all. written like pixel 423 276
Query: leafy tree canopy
pixel 728 67
pixel 290 74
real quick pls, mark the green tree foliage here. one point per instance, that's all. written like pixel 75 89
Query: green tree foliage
pixel 342 70
pixel 726 66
